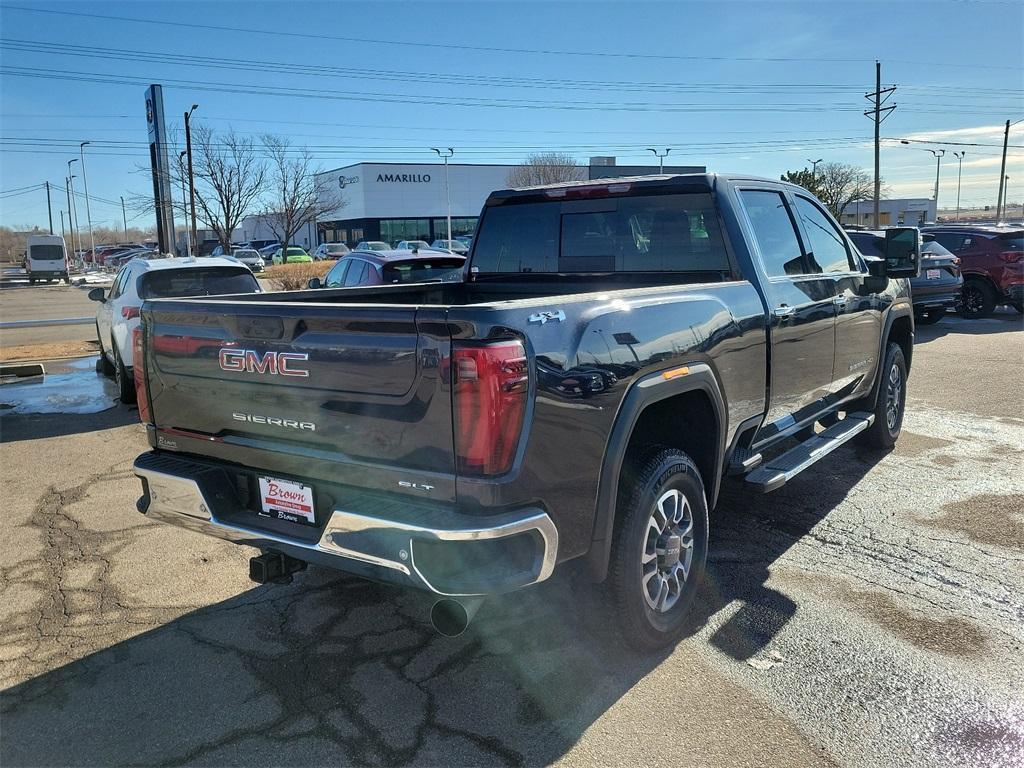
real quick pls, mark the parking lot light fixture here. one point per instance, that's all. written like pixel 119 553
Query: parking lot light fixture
pixel 184 200
pixel 959 172
pixel 74 209
pixel 938 164
pixel 661 158
pixel 85 182
pixel 445 154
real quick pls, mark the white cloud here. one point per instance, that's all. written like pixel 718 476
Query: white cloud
pixel 978 132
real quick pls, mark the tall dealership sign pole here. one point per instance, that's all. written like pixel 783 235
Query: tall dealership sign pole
pixel 160 168
pixel 448 152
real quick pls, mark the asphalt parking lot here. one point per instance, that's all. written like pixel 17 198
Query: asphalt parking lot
pixel 871 613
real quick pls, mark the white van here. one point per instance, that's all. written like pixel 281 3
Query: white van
pixel 46 258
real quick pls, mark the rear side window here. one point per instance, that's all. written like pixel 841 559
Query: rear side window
pixel 197 282
pixel 356 272
pixel 654 233
pixel 774 232
pixel 954 241
pixel 336 276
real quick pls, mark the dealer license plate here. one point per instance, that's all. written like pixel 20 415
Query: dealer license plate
pixel 933 274
pixel 287 500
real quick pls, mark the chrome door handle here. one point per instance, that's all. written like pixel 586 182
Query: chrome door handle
pixel 784 311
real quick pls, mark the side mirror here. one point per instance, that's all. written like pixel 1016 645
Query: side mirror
pixel 96 294
pixel 902 252
pixel 314 282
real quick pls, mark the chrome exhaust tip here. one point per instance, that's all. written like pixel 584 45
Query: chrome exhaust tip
pixel 450 617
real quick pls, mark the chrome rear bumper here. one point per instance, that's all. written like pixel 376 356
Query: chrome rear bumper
pixel 377 546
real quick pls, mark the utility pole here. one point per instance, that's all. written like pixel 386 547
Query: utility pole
pixel 876 114
pixel 49 209
pixel 124 218
pixel 62 233
pixel 71 231
pixel 85 181
pixel 1000 200
pixel 661 158
pixel 959 172
pixel 184 202
pixel 191 178
pixel 447 190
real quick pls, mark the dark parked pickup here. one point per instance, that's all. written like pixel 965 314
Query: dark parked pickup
pixel 613 352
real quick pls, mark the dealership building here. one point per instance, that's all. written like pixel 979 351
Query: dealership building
pixel 407 201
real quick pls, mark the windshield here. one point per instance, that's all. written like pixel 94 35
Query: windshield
pixel 46 252
pixel 204 281
pixel 246 254
pixel 652 233
pixel 296 252
pixel 421 270
pixel 337 248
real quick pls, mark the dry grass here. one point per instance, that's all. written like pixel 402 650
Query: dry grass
pixel 294 277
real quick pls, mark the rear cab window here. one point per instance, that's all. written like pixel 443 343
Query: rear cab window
pixel 676 233
pixel 201 281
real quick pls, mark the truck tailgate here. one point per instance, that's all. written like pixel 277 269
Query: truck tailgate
pixel 356 395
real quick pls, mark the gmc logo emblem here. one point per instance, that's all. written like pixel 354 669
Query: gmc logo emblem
pixel 251 361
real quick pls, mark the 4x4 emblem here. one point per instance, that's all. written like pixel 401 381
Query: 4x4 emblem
pixel 556 315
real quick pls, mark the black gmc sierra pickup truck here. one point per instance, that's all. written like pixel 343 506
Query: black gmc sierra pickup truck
pixel 615 350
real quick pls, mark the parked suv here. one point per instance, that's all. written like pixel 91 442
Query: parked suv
pixel 118 314
pixel 939 285
pixel 992 264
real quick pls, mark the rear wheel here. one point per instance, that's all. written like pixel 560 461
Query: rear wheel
pixel 660 549
pixel 930 317
pixel 103 365
pixel 890 403
pixel 125 383
pixel 979 299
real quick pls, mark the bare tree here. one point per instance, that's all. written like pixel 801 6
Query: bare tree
pixel 296 197
pixel 229 177
pixel 546 168
pixel 835 184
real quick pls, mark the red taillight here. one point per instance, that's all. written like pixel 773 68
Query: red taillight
pixel 139 373
pixel 1011 257
pixel 491 383
pixel 129 312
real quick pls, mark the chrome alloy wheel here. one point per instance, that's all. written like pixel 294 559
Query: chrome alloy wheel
pixel 668 551
pixel 893 396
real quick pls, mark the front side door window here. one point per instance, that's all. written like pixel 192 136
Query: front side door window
pixel 827 251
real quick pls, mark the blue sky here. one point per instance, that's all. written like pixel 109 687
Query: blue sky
pixel 750 87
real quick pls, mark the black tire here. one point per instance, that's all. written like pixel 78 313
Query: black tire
pixel 931 317
pixel 890 403
pixel 103 365
pixel 125 383
pixel 653 621
pixel 1019 306
pixel 979 299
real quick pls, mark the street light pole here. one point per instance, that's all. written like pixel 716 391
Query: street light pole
pixel 814 169
pixel 938 162
pixel 184 202
pixel 661 158
pixel 71 231
pixel 74 208
pixel 447 189
pixel 191 178
pixel 63 234
pixel 959 173
pixel 49 207
pixel 124 218
pixel 85 181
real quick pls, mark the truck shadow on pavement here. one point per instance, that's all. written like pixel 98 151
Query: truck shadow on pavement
pixel 334 670
pixel 1005 319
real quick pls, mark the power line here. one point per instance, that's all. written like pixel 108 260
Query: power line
pixel 277 33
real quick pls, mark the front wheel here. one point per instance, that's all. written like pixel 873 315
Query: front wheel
pixel 660 549
pixel 890 403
